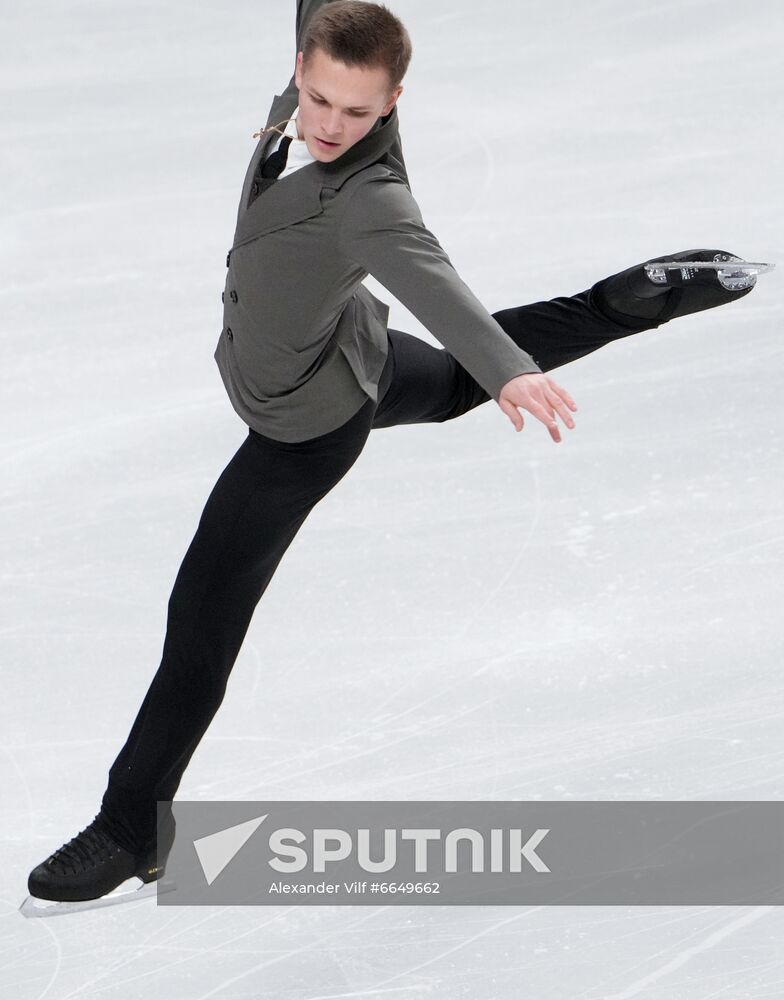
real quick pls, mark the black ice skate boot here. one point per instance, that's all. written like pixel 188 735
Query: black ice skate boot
pixel 632 299
pixel 92 864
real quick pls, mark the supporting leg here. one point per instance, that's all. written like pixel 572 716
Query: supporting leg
pixel 251 517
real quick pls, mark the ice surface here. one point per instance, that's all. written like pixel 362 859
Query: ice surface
pixel 595 620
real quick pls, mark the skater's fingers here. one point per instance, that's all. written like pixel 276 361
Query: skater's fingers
pixel 545 409
pixel 563 394
pixel 512 412
pixel 541 397
pixel 547 417
pixel 560 407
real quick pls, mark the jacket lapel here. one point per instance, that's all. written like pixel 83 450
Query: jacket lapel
pixel 283 107
pixel 298 196
pixel 374 147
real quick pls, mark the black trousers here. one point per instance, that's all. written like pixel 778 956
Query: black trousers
pixel 255 509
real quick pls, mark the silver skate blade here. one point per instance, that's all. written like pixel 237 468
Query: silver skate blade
pixel 130 890
pixel 746 266
pixel 732 273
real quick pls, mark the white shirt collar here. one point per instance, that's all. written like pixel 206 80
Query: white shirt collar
pixel 291 126
pixel 298 155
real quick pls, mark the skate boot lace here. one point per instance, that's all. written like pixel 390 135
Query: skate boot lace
pixel 84 851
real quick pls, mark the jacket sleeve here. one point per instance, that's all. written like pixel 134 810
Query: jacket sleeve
pixel 382 231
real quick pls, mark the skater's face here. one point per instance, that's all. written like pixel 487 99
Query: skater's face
pixel 339 104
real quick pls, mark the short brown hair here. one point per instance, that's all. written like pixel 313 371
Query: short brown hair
pixel 360 34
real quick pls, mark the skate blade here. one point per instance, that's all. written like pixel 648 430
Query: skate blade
pixel 130 890
pixel 734 274
pixel 744 266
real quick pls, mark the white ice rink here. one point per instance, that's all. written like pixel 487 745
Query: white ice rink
pixel 599 619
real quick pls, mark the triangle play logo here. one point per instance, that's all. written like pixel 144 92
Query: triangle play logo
pixel 216 850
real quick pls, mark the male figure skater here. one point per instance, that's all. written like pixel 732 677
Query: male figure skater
pixel 310 366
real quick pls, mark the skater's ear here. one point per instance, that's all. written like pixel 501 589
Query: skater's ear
pixel 393 98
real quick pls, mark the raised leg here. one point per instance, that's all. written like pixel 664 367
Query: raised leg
pixel 425 384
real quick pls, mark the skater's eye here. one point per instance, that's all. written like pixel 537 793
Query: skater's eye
pixel 355 114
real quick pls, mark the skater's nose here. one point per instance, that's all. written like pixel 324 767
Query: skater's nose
pixel 331 126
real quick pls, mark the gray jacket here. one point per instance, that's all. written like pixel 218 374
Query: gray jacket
pixel 303 341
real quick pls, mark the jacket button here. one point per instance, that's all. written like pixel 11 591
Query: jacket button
pixel 234 296
pixel 255 187
pixel 223 296
pixel 229 334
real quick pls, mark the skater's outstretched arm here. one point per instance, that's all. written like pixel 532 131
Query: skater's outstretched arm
pixel 381 231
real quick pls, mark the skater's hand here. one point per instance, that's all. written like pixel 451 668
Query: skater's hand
pixel 542 397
